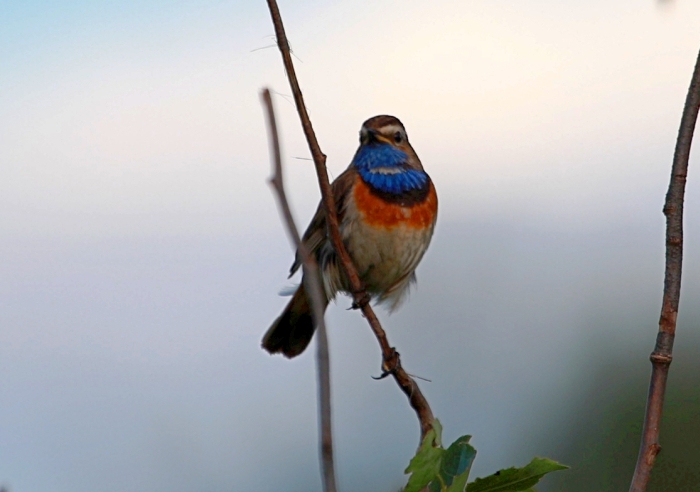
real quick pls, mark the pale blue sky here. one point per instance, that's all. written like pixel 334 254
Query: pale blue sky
pixel 141 252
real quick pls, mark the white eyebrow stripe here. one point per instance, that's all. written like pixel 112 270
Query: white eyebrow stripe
pixel 386 129
pixel 391 129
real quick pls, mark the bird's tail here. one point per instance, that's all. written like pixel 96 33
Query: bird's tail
pixel 291 333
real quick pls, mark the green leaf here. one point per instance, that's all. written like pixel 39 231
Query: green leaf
pixel 516 479
pixel 425 465
pixel 456 464
pixel 441 470
pixel 437 426
pixel 435 486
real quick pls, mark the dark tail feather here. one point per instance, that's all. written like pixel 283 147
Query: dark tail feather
pixel 291 333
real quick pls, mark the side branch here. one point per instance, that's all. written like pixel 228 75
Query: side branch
pixel 391 361
pixel 662 355
pixel 312 284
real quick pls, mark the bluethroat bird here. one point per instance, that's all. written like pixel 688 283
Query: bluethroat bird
pixel 387 207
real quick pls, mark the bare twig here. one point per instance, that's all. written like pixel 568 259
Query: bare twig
pixel 661 357
pixel 312 283
pixel 391 361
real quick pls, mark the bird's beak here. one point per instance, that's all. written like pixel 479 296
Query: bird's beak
pixel 375 137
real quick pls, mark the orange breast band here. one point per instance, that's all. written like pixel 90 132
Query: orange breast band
pixel 380 213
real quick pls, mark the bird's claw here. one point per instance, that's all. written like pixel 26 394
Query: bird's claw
pixel 389 366
pixel 382 375
pixel 361 302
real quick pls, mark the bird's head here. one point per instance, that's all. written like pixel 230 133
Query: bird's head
pixel 386 159
pixel 384 143
pixel 383 129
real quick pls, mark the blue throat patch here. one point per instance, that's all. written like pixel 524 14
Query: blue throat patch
pixel 383 166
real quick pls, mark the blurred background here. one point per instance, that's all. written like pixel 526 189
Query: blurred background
pixel 141 253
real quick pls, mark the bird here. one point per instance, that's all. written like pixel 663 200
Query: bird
pixel 387 209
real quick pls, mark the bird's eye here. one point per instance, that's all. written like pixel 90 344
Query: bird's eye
pixel 398 138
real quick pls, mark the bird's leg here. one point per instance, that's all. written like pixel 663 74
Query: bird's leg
pixel 390 365
pixel 360 299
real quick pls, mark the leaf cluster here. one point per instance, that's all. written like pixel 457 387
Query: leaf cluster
pixel 436 469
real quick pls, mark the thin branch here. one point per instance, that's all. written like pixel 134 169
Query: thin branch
pixel 662 355
pixel 312 283
pixel 391 362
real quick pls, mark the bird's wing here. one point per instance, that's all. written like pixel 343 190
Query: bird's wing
pixel 316 233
